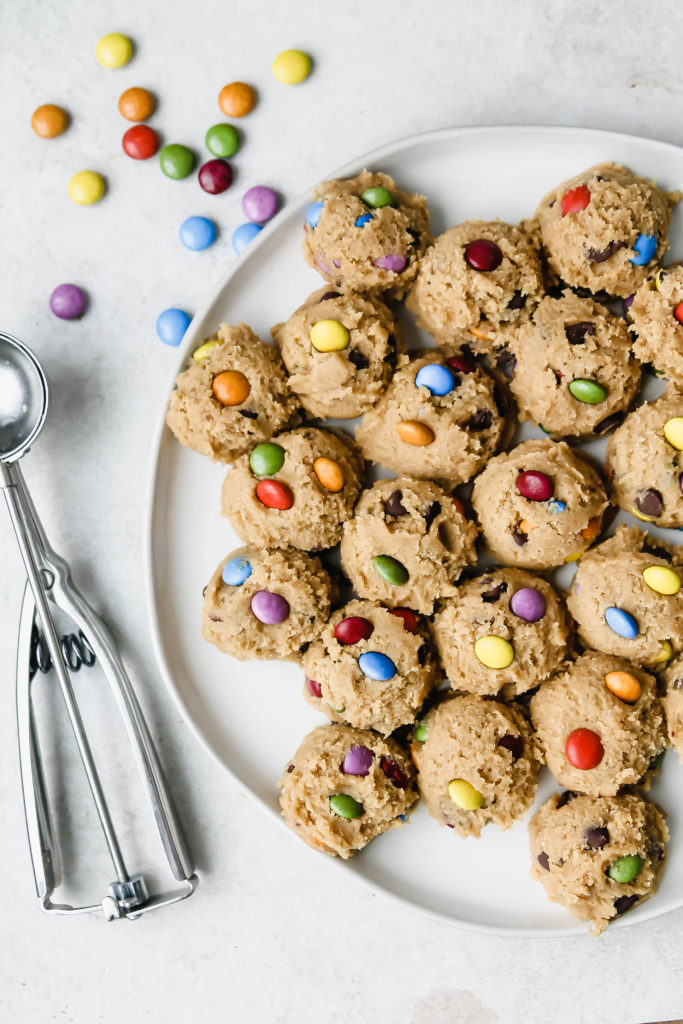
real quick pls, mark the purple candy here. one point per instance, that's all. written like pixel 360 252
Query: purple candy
pixel 528 604
pixel 357 761
pixel 270 609
pixel 323 266
pixel 336 263
pixel 259 204
pixel 68 301
pixel 391 262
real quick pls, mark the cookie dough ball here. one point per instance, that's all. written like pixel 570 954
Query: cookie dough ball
pixel 576 375
pixel 371 667
pixel 598 856
pixel 600 724
pixel 407 543
pixel 626 598
pixel 344 787
pixel 477 764
pixel 340 350
pixel 539 505
pixel 673 703
pixel 234 395
pixel 657 317
pixel 365 234
pixel 266 603
pixel 441 417
pixel 479 276
pixel 298 489
pixel 605 229
pixel 504 632
pixel 644 464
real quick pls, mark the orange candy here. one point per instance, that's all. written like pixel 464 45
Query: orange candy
pixel 624 686
pixel 591 531
pixel 329 473
pixel 478 333
pixel 136 104
pixel 231 387
pixel 236 99
pixel 49 121
pixel 459 505
pixel 414 432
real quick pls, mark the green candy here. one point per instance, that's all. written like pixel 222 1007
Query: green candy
pixel 222 140
pixel 656 762
pixel 588 391
pixel 420 732
pixel 346 807
pixel 267 459
pixel 176 161
pixel 378 197
pixel 390 570
pixel 337 711
pixel 626 869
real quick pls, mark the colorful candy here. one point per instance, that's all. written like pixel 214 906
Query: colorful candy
pixel 204 351
pixel 361 221
pixel 329 336
pixel 410 619
pixel 113 50
pixel 236 99
pixel 86 188
pixel 236 571
pixel 377 197
pixel 171 326
pixel 392 261
pixel 645 247
pixel 483 255
pixel 346 807
pixel 678 312
pixel 415 433
pixel 465 795
pixel 584 749
pixel 662 580
pixel 49 121
pixel 222 140
pixel 291 67
pixel 313 687
pixel 575 200
pixel 436 378
pixel 140 142
pixel 270 609
pixel 68 301
pixel 176 161
pixel 329 474
pixel 665 652
pixel 376 665
pixel 242 236
pixel 463 364
pixel 626 869
pixel 390 570
pixel 353 629
pixel 232 388
pixel 528 604
pixel 197 233
pixel 494 652
pixel 622 623
pixel 266 459
pixel 588 391
pixel 556 507
pixel 136 104
pixel 420 732
pixel 590 532
pixel 260 203
pixel 313 213
pixel 624 686
pixel 394 773
pixel 535 486
pixel 357 760
pixel 274 494
pixel 215 176
pixel 673 432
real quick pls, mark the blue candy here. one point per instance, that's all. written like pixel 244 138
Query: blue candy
pixel 556 506
pixel 243 235
pixel 313 214
pixel 197 233
pixel 621 623
pixel 645 246
pixel 436 378
pixel 377 666
pixel 359 222
pixel 236 571
pixel 171 325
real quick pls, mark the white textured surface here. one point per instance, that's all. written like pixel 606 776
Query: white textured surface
pixel 263 940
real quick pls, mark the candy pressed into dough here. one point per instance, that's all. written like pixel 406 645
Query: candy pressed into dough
pixel 657 329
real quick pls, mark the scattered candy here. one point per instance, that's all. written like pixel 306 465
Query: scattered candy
pixel 266 459
pixel 390 570
pixel 588 391
pixel 645 247
pixel 346 807
pixel 329 474
pixel 260 203
pixel 113 50
pixel 197 233
pixel 86 188
pixel 436 378
pixel 357 761
pixel 215 176
pixel 415 433
pixel 535 486
pixel 673 432
pixel 313 687
pixel 584 749
pixel 590 532
pixel 270 609
pixel 236 571
pixel 291 67
pixel 222 140
pixel 463 364
pixel 242 236
pixel 624 686
pixel 236 99
pixel 575 200
pixel 494 652
pixel 392 262
pixel 140 142
pixel 378 197
pixel 621 623
pixel 626 869
pixel 420 732
pixel 171 325
pixel 395 774
pixel 274 494
pixel 313 213
pixel 329 336
pixel 353 629
pixel 410 619
pixel 465 795
pixel 136 104
pixel 556 507
pixel 528 604
pixel 68 301
pixel 665 653
pixel 232 388
pixel 662 580
pixel 483 255
pixel 176 161
pixel 678 312
pixel 49 121
pixel 378 666
pixel 205 350
pixel 361 221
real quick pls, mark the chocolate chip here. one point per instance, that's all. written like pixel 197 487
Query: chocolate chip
pixel 566 797
pixel 393 506
pixel 500 399
pixel 518 301
pixel 431 513
pixel 654 549
pixel 422 654
pixel 576 333
pixel 649 502
pixel 492 595
pixel 519 537
pixel 608 423
pixel 596 837
pixel 515 744
pixel 544 861
pixel 625 903
pixel 215 618
pixel 481 420
pixel 290 768
pixel 505 360
pixel 358 359
pixel 329 295
pixel 600 255
pixel 248 413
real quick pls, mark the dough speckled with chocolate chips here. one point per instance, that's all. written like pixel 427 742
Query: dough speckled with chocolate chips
pixel 316 776
pixel 673 703
pixel 575 843
pixel 658 330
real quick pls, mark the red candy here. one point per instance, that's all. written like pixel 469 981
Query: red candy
pixel 140 142
pixel 410 619
pixel 678 312
pixel 273 494
pixel 535 486
pixel 575 200
pixel 584 749
pixel 482 254
pixel 353 629
pixel 313 687
pixel 462 364
pixel 394 773
pixel 215 176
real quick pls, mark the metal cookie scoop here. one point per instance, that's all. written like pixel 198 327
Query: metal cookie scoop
pixel 23 407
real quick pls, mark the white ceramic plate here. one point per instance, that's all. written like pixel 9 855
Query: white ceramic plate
pixel 251 716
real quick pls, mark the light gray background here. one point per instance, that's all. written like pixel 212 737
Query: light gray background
pixel 265 939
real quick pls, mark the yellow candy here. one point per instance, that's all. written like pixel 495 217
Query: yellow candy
pixel 665 653
pixel 329 336
pixel 329 473
pixel 639 515
pixel 465 795
pixel 624 686
pixel 673 432
pixel 576 556
pixel 494 652
pixel 205 350
pixel 662 580
pixel 658 279
pixel 86 188
pixel 291 66
pixel 114 50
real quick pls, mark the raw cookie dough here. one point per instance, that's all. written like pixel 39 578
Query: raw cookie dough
pixel 341 675
pixel 577 843
pixel 592 224
pixel 223 432
pixel 417 525
pixel 578 709
pixel 508 605
pixel 621 606
pixel 456 291
pixel 539 533
pixel 576 375
pixel 448 437
pixel 644 468
pixel 321 772
pixel 477 764
pixel 673 703
pixel 342 382
pixel 367 245
pixel 312 515
pixel 293 603
pixel 657 317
